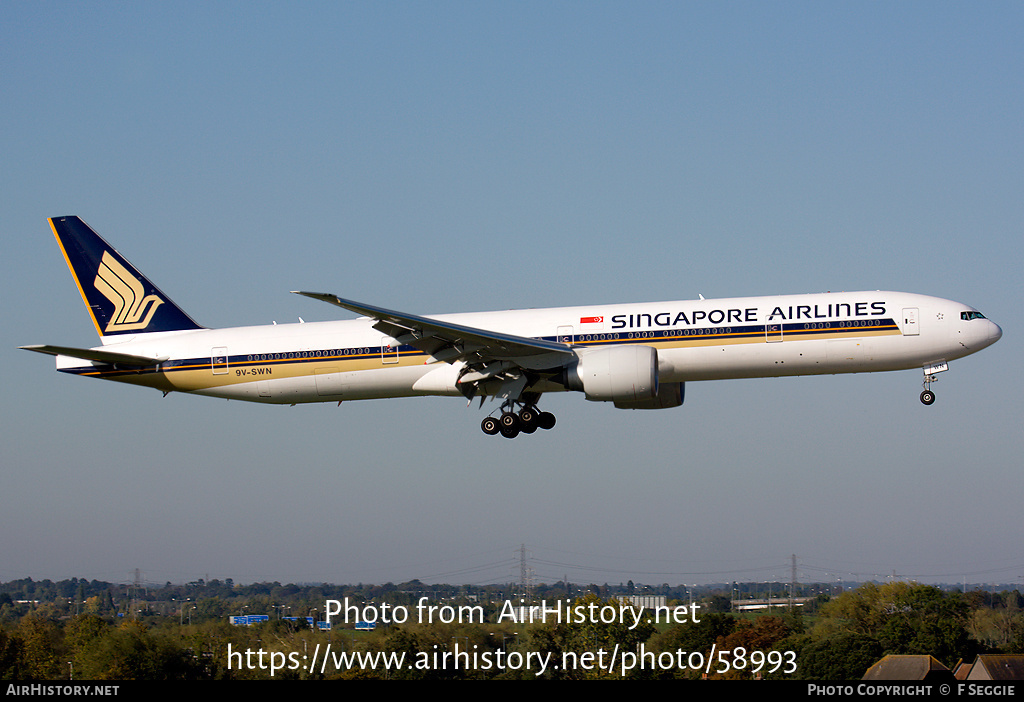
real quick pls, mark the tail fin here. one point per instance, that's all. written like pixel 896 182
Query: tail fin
pixel 120 299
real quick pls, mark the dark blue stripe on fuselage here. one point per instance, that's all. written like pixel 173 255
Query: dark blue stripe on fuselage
pixel 755 332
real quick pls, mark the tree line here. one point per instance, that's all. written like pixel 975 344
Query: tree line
pixel 96 631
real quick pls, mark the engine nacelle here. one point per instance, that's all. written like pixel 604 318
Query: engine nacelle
pixel 615 374
pixel 669 395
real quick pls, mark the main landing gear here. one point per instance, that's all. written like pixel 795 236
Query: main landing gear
pixel 511 423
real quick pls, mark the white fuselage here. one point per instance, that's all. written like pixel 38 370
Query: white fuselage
pixel 695 340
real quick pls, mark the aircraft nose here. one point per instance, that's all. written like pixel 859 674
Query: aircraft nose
pixel 995 333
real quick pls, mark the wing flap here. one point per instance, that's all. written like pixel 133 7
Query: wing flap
pixel 447 341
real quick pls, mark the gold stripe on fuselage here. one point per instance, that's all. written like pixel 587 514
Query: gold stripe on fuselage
pixel 206 375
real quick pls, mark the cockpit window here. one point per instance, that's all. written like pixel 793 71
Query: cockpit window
pixel 972 314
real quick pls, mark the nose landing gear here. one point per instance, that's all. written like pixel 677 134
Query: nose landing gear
pixel 927 396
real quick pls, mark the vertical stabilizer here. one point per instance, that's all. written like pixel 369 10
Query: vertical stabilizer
pixel 120 299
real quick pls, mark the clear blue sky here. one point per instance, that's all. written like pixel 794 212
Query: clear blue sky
pixel 443 157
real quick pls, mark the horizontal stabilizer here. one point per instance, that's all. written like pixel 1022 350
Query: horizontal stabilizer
pixel 124 359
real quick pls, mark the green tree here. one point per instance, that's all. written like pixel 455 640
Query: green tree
pixel 592 636
pixel 841 657
pixel 41 649
pixel 132 652
pixel 904 618
pixel 80 634
pixel 695 637
pixel 11 656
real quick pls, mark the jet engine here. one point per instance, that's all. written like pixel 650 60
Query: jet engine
pixel 669 395
pixel 615 374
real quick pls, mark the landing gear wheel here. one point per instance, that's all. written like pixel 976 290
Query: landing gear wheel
pixel 528 420
pixel 927 397
pixel 545 420
pixel 510 423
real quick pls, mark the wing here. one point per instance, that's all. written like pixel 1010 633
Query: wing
pixel 486 354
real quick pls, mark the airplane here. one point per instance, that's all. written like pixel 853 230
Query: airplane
pixel 635 356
